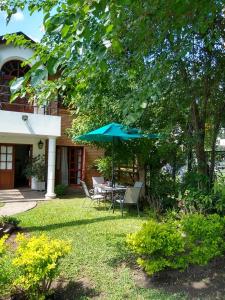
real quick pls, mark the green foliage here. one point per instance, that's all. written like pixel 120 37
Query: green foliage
pixel 2 245
pixel 104 166
pixel 165 189
pixel 204 237
pixel 5 265
pixel 36 168
pixel 192 180
pixel 60 190
pixel 113 69
pixel 37 260
pixel 219 195
pixel 9 220
pixel 196 201
pixel 195 239
pixel 158 245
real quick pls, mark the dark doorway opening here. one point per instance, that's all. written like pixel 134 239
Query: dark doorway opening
pixel 22 155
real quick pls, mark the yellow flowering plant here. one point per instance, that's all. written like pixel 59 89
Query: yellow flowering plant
pixel 37 259
pixel 3 262
pixel 2 245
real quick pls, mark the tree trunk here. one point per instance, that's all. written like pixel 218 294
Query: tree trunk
pixel 190 149
pixel 216 128
pixel 199 134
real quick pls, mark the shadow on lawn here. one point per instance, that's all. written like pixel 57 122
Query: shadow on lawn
pixel 73 223
pixel 197 282
pixel 74 290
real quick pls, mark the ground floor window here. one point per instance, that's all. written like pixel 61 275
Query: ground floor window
pixel 13 161
pixel 6 157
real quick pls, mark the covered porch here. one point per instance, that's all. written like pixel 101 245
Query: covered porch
pixel 27 130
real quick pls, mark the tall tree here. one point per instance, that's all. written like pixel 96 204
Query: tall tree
pixel 130 60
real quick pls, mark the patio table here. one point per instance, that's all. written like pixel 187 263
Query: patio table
pixel 112 190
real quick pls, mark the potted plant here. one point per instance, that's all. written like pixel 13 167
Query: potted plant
pixel 36 168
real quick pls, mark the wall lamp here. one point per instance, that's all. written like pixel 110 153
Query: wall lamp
pixel 40 144
pixel 24 118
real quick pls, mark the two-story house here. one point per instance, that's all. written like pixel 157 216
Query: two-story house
pixel 27 131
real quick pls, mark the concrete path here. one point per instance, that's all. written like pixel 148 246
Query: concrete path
pixel 17 201
pixel 12 208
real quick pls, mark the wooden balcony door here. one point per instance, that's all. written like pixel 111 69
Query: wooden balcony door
pixel 6 166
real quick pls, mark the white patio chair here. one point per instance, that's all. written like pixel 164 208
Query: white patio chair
pixel 138 184
pixel 131 197
pixel 96 197
pixel 96 181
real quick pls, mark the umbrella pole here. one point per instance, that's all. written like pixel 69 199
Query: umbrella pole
pixel 113 183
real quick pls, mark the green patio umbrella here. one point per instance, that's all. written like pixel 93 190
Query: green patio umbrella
pixel 111 133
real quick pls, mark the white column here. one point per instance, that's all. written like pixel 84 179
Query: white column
pixel 51 168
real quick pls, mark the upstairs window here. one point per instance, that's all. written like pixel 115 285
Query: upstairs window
pixel 13 69
pixel 9 71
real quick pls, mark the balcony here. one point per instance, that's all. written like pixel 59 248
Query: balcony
pixel 22 104
pixel 29 124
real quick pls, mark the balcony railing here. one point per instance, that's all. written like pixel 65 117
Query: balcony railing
pixel 22 104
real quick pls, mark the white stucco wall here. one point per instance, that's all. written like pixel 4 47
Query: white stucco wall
pixel 15 139
pixel 10 52
pixel 36 124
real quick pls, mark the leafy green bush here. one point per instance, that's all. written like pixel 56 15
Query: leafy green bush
pixel 193 200
pixel 196 201
pixel 219 195
pixel 60 190
pixel 164 190
pixel 2 245
pixel 104 166
pixel 159 246
pixel 36 168
pixel 195 239
pixel 9 220
pixel 5 265
pixel 204 237
pixel 37 260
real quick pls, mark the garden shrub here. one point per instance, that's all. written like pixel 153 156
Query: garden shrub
pixel 196 201
pixel 9 220
pixel 159 246
pixel 2 245
pixel 204 237
pixel 195 239
pixel 193 200
pixel 60 190
pixel 5 265
pixel 104 166
pixel 37 260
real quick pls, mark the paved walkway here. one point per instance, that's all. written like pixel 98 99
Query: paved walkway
pixel 17 201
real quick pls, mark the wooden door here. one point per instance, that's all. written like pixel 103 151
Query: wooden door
pixel 75 165
pixel 6 166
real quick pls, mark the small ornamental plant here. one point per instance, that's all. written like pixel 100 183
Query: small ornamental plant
pixel 37 261
pixel 4 220
pixel 36 168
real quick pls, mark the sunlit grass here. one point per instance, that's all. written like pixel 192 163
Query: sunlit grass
pixel 99 251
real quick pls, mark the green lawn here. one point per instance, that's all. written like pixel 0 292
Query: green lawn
pixel 2 204
pixel 99 255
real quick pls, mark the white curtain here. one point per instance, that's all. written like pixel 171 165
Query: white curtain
pixel 64 166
